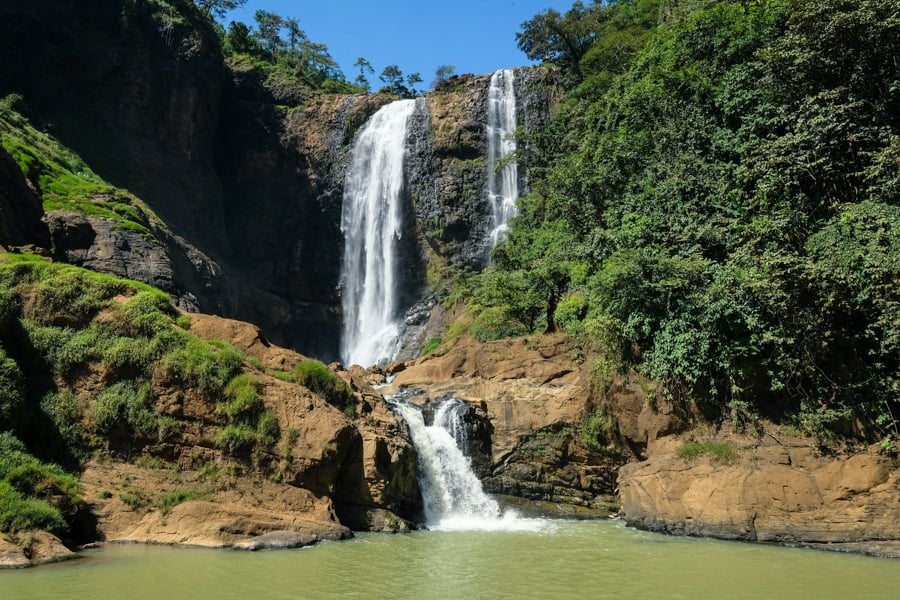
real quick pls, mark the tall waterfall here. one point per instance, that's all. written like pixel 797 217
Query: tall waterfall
pixel 502 185
pixel 453 496
pixel 371 220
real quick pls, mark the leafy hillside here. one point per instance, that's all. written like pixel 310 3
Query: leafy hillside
pixel 718 203
pixel 84 358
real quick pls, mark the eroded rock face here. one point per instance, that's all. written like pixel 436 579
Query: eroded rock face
pixel 773 493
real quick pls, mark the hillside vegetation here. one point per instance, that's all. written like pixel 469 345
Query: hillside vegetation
pixel 84 358
pixel 717 203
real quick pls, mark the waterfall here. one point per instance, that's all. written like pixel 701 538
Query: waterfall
pixel 502 185
pixel 452 494
pixel 371 220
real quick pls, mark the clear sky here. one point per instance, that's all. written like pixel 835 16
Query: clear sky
pixel 475 36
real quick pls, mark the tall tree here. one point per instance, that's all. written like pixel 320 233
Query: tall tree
pixel 441 75
pixel 364 67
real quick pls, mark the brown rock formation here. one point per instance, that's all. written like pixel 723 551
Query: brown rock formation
pixel 774 492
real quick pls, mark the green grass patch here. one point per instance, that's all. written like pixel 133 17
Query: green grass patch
pixel 169 500
pixel 720 452
pixel 318 378
pixel 65 181
pixel 431 345
pixel 33 494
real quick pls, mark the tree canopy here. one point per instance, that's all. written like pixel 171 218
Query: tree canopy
pixel 717 202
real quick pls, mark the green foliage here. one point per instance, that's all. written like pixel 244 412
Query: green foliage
pixel 318 378
pixel 235 437
pixel 202 365
pixel 169 500
pixel 126 409
pixel 134 499
pixel 494 323
pixel 64 179
pixel 243 401
pixel 720 452
pixel 595 430
pixel 431 345
pixel 715 202
pixel 32 494
pixel 12 390
pixel 281 50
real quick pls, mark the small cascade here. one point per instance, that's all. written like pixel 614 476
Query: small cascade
pixel 502 184
pixel 453 496
pixel 372 221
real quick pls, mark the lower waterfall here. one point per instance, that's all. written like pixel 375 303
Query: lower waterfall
pixel 452 494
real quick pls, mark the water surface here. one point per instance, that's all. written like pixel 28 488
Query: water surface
pixel 566 560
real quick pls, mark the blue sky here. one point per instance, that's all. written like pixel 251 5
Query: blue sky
pixel 475 36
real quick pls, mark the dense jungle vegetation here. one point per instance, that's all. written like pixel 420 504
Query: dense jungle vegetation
pixel 717 203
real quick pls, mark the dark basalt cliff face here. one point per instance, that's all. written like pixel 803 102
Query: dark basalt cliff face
pixel 244 178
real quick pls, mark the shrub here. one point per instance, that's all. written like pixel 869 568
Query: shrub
pixel 493 323
pixel 570 313
pixel 126 406
pixel 319 379
pixel 202 365
pixel 267 430
pixel 243 399
pixel 32 492
pixel 595 430
pixel 232 438
pixel 11 386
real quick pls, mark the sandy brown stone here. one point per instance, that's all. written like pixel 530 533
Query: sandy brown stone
pixel 767 496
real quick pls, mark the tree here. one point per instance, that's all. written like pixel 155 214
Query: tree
pixel 441 75
pixel 561 39
pixel 239 40
pixel 393 77
pixel 268 30
pixel 218 8
pixel 295 35
pixel 411 80
pixel 364 67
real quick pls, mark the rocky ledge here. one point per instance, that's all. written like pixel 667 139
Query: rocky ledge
pixel 774 489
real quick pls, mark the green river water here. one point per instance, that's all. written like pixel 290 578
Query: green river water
pixel 566 560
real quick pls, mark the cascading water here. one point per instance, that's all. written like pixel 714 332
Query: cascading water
pixel 502 185
pixel 453 496
pixel 371 220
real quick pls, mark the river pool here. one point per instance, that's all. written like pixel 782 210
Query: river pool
pixel 561 559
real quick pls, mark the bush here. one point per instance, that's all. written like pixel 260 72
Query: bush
pixel 233 437
pixel 243 399
pixel 31 492
pixel 267 430
pixel 126 407
pixel 570 313
pixel 318 378
pixel 493 324
pixel 12 389
pixel 202 365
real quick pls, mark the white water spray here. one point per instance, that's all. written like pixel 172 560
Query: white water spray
pixel 453 496
pixel 372 220
pixel 502 185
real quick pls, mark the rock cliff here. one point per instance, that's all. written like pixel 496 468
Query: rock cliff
pixel 240 179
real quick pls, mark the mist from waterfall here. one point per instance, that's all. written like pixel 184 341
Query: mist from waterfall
pixel 453 497
pixel 372 221
pixel 502 183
